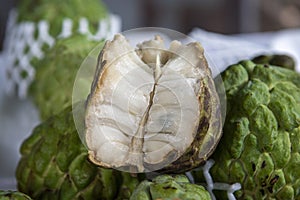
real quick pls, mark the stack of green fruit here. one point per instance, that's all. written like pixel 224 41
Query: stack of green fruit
pixel 54 165
pixel 259 149
pixel 41 25
pixel 55 12
pixel 55 73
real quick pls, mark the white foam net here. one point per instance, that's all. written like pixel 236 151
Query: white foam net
pixel 24 41
pixel 210 185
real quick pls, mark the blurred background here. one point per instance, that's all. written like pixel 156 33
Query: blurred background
pixel 228 17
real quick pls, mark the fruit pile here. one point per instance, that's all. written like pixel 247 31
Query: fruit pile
pixel 259 149
pixel 172 126
pixel 261 134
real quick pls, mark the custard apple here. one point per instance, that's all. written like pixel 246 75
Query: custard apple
pixel 55 11
pixel 154 108
pixel 55 74
pixel 55 165
pixel 281 60
pixel 260 146
pixel 166 187
pixel 35 26
pixel 13 195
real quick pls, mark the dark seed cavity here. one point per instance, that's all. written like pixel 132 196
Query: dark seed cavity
pixel 253 167
pixel 270 189
pixel 263 164
pixel 169 187
pixel 274 180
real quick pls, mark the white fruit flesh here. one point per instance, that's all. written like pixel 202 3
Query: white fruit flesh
pixel 143 109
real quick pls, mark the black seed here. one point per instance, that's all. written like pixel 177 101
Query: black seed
pixel 263 164
pixel 270 189
pixel 169 187
pixel 253 167
pixel 274 180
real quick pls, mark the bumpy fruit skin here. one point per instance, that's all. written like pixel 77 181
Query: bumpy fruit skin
pixel 13 195
pixel 284 61
pixel 54 165
pixel 55 11
pixel 166 187
pixel 55 74
pixel 260 147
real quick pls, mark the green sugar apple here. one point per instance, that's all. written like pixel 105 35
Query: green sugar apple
pixel 166 187
pixel 260 147
pixel 284 61
pixel 54 165
pixel 13 195
pixel 55 11
pixel 55 74
pixel 36 26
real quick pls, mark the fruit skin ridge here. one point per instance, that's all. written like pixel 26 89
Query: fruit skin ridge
pixel 260 146
pixel 170 187
pixel 13 195
pixel 54 165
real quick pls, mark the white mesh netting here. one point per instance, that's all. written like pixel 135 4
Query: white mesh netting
pixel 211 185
pixel 24 41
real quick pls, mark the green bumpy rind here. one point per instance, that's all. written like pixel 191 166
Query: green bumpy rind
pixel 55 74
pixel 260 146
pixel 54 165
pixel 284 61
pixel 13 195
pixel 55 11
pixel 166 187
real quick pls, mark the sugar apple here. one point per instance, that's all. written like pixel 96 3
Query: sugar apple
pixel 260 147
pixel 277 60
pixel 55 165
pixel 52 87
pixel 35 26
pixel 152 108
pixel 55 11
pixel 13 195
pixel 166 187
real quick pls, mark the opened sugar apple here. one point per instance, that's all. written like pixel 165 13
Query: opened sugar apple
pixel 166 187
pixel 55 74
pixel 55 165
pixel 152 108
pixel 13 195
pixel 260 147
